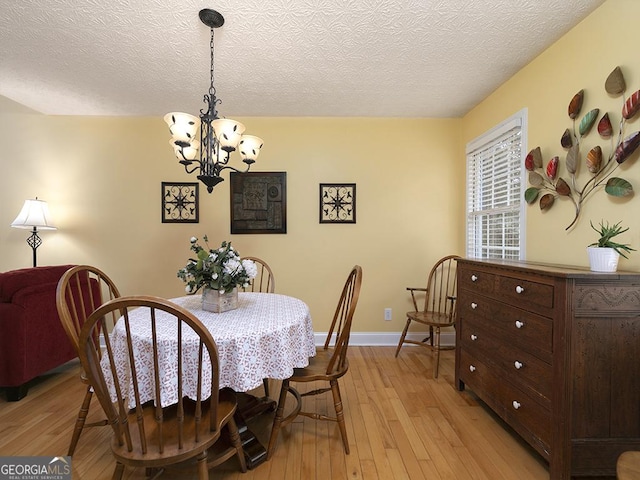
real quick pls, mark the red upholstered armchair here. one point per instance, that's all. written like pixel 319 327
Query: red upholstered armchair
pixel 32 340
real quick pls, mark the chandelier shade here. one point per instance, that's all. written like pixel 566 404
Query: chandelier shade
pixel 203 144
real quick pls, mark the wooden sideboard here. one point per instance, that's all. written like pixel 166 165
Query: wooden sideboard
pixel 555 352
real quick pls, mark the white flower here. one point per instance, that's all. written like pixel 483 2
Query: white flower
pixel 214 276
pixel 231 266
pixel 250 267
pixel 193 240
pixel 187 289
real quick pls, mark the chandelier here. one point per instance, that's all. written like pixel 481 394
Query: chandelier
pixel 208 152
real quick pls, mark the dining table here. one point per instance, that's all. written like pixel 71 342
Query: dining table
pixel 265 337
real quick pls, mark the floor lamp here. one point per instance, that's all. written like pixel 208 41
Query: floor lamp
pixel 35 216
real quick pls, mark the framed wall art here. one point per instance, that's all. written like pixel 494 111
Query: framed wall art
pixel 179 202
pixel 258 202
pixel 337 203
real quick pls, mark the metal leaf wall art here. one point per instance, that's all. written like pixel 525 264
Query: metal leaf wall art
pixel 547 185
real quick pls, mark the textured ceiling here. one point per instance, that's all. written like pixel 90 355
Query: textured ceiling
pixel 397 58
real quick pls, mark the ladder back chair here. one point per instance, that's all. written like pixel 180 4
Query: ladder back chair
pixel 329 364
pixel 81 290
pixel 264 282
pixel 148 434
pixel 438 310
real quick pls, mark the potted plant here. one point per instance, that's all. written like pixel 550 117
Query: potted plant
pixel 604 254
pixel 218 272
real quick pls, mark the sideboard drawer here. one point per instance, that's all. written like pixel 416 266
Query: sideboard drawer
pixel 477 281
pixel 518 290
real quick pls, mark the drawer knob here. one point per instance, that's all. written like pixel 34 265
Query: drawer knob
pixel 516 405
pixel 474 305
pixel 474 278
pixel 519 324
pixel 474 337
pixel 472 368
pixel 518 364
pixel 519 289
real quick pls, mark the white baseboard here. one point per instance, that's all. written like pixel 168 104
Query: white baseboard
pixel 387 339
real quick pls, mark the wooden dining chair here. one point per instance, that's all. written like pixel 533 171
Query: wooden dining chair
pixel 148 434
pixel 264 282
pixel 438 310
pixel 81 290
pixel 329 364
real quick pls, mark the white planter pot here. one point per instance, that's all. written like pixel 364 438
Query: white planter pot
pixel 603 259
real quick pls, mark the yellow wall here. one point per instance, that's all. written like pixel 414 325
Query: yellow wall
pixel 582 59
pixel 102 176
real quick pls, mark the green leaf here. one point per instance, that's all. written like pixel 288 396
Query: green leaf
pixel 531 194
pixel 587 121
pixel 618 187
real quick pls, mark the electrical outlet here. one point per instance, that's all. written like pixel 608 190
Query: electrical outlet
pixel 387 314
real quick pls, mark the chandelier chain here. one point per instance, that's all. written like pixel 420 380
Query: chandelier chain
pixel 212 89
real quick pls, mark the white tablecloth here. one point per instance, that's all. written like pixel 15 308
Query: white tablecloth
pixel 267 336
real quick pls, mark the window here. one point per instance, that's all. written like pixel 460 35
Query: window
pixel 495 180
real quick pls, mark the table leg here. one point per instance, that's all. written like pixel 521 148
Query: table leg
pixel 250 406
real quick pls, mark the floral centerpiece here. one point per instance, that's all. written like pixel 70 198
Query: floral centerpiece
pixel 219 271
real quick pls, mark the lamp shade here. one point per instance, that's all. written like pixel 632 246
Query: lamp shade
pixel 185 151
pixel 34 213
pixel 182 126
pixel 228 133
pixel 249 148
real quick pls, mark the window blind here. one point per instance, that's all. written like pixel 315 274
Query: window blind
pixel 495 223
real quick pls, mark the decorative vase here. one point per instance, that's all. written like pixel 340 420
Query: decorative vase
pixel 214 301
pixel 603 259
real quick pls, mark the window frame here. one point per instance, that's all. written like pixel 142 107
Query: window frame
pixel 487 141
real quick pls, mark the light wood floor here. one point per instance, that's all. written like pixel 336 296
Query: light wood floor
pixel 401 424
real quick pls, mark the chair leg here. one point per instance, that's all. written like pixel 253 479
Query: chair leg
pixel 404 334
pixel 203 471
pixel 337 403
pixel 234 437
pixel 437 349
pixel 277 420
pixel 82 417
pixel 118 472
pixel 265 382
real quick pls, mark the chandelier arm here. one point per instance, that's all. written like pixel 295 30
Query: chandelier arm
pixel 229 167
pixel 196 167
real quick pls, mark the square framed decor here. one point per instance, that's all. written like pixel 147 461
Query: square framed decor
pixel 180 202
pixel 337 203
pixel 258 202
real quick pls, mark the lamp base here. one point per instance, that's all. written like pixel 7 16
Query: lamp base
pixel 34 242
